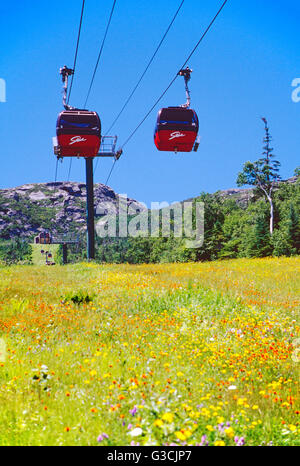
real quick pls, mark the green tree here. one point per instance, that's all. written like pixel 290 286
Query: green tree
pixel 281 243
pixel 294 229
pixel 14 252
pixel 263 174
pixel 258 244
pixel 233 227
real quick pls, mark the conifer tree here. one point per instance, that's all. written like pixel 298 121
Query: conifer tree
pixel 263 174
pixel 294 229
pixel 259 239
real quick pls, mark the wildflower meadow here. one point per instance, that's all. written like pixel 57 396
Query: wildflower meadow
pixel 170 354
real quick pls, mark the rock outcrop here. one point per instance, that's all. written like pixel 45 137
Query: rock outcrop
pixel 59 207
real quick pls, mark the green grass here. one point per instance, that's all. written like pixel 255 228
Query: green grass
pixel 171 350
pixel 40 259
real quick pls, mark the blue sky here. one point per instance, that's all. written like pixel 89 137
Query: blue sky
pixel 243 70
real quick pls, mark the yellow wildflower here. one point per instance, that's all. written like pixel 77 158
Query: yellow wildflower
pixel 158 423
pixel 180 436
pixel 168 417
pixel 229 432
pixel 187 433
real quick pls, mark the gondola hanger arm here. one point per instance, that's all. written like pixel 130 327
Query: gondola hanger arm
pixel 65 73
pixel 186 73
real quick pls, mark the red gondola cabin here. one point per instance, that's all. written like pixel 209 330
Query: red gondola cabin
pixel 176 129
pixel 78 133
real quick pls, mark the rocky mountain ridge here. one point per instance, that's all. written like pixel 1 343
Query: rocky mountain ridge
pixel 60 207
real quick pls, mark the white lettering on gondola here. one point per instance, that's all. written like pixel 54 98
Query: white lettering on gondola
pixel 76 139
pixel 176 134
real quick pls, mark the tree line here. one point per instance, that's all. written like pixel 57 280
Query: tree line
pixel 266 224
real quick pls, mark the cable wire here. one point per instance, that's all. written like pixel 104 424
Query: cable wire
pixel 76 51
pixel 171 83
pixel 70 167
pixel 110 173
pixel 100 53
pixel 146 69
pixel 174 79
pixel 141 77
pixel 95 169
pixel 55 178
pixel 56 167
